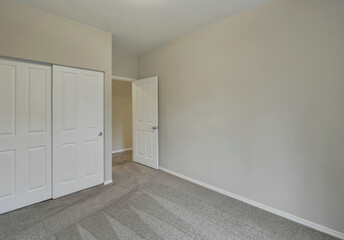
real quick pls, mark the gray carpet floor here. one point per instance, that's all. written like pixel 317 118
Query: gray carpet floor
pixel 147 204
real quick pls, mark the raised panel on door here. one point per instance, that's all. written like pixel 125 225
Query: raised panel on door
pixel 37 168
pixel 25 133
pixel 149 102
pixel 139 110
pixel 140 143
pixel 69 162
pixel 69 101
pixel 90 156
pixel 8 174
pixel 78 156
pixel 7 98
pixel 149 144
pixel 36 99
pixel 90 101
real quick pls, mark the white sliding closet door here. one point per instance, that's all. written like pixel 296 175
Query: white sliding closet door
pixel 25 134
pixel 78 141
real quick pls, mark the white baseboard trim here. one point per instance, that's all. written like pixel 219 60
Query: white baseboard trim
pixel 107 182
pixel 122 150
pixel 259 205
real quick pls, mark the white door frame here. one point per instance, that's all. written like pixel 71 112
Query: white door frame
pixel 125 79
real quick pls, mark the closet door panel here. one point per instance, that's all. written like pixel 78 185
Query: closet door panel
pixel 25 134
pixel 78 142
pixel 7 98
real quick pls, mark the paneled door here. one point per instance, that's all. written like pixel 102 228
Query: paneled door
pixel 145 122
pixel 25 134
pixel 78 140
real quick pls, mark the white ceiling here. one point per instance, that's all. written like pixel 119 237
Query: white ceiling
pixel 140 25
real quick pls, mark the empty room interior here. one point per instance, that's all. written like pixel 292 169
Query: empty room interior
pixel 171 119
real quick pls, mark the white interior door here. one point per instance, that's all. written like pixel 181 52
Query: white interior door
pixel 78 141
pixel 25 134
pixel 145 122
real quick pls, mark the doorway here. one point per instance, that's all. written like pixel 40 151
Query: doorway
pixel 121 121
pixel 135 121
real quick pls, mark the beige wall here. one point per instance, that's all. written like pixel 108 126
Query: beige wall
pixel 121 115
pixel 27 33
pixel 123 65
pixel 254 105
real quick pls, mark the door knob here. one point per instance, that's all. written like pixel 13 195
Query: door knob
pixel 100 134
pixel 155 127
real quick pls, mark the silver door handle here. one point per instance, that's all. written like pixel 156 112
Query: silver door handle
pixel 100 134
pixel 155 127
